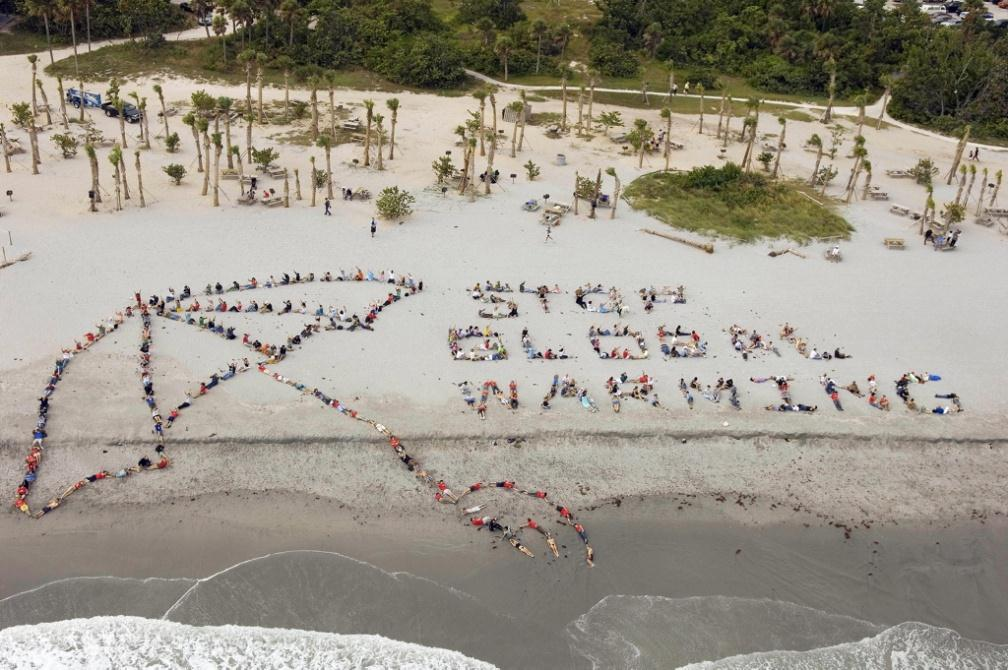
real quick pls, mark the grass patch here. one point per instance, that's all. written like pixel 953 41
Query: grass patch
pixel 729 202
pixel 21 41
pixel 679 105
pixel 201 61
pixel 798 115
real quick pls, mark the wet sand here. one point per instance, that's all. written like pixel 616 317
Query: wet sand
pixel 519 607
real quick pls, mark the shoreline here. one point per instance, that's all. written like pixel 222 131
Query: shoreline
pixel 645 547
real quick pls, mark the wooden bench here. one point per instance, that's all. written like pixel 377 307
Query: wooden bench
pixel 899 210
pixel 878 195
pixel 894 243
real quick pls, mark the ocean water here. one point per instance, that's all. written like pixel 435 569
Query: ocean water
pixel 314 609
pixel 130 642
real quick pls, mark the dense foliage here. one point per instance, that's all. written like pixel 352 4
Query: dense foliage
pixel 943 76
pixel 146 19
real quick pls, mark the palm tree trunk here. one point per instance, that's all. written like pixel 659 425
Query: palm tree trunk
pixel 395 117
pixel 490 158
pixel 668 140
pixel 867 185
pixel 122 129
pixel 206 173
pixel 216 173
pixel 164 115
pixel 73 38
pixel 514 138
pixel 259 85
pixel 493 109
pixel 465 170
pixel 199 150
pixel 332 114
pixel 95 186
pixel 367 139
pixel 521 133
pixel 591 101
pixel 969 190
pixel 33 138
pixel 87 22
pixel 286 190
pixel 378 153
pixel 312 179
pixel 248 140
pixel 983 189
pixel 241 168
pixel 227 140
pixel 701 112
pixel 720 118
pixel 640 163
pixel 580 124
pixel 81 109
pixel 328 165
pixel 962 185
pixel 248 84
pixel 958 156
pixel 885 103
pixel 482 126
pixel 780 150
pixel 287 95
pixel 122 176
pixel 297 184
pixel 143 202
pixel 62 97
pixel 45 102
pixel 146 126
pixel 45 20
pixel 727 124
pixel 3 147
pixel 815 170
pixel 314 114
pixel 993 198
pixel 615 197
pixel 576 176
pixel 563 97
pixel 34 86
pixel 115 178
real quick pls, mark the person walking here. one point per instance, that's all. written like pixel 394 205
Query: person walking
pixel 549 234
pixel 328 207
pixel 374 227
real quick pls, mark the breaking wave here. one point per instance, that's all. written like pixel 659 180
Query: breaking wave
pixel 132 642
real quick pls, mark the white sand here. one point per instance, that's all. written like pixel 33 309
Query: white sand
pixel 893 310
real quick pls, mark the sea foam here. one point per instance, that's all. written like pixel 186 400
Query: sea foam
pixel 132 642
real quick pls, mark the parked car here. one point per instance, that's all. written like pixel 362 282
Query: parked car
pixel 130 112
pixel 75 98
pixel 205 19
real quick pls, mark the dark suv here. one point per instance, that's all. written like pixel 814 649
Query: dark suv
pixel 130 112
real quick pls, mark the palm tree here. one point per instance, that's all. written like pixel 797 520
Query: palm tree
pixel 115 157
pixel 314 182
pixel 246 58
pixel 969 189
pixel 481 95
pixel 290 11
pixel 563 34
pixel 329 76
pixel 67 7
pixel 493 112
pixel 95 187
pixel 145 120
pixel 33 59
pixel 297 184
pixel 749 125
pixel 700 92
pixel 218 146
pixel 45 102
pixel 503 49
pixel 581 97
pixel 958 155
pixel 831 66
pixel 887 82
pixel 983 189
pixel 260 58
pixel 22 116
pixel 379 133
pixel 720 118
pixel 539 30
pixel 204 126
pixel 666 113
pixel 485 27
pixel 521 119
pixel 860 153
pixel 369 106
pixel 224 105
pixel 164 112
pixel 393 105
pixel 492 137
pixel 643 133
pixel 616 191
pixel 518 107
pixel 652 38
pixel 41 9
pixel 727 122
pixel 593 79
pixel 136 155
pixel 136 102
pixel 565 73
pixel 866 165
pixel 860 101
pixel 313 83
pixel 3 147
pixel 248 137
pixel 285 63
pixel 780 145
pixel 190 120
pixel 236 151
pixel 62 99
pixel 994 194
pixel 325 142
pixel 816 142
pixel 220 30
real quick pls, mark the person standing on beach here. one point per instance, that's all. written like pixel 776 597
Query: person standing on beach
pixel 328 207
pixel 374 227
pixel 549 234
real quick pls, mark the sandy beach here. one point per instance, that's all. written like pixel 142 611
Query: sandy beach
pixel 679 501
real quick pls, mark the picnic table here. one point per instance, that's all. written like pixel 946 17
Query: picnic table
pixel 894 243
